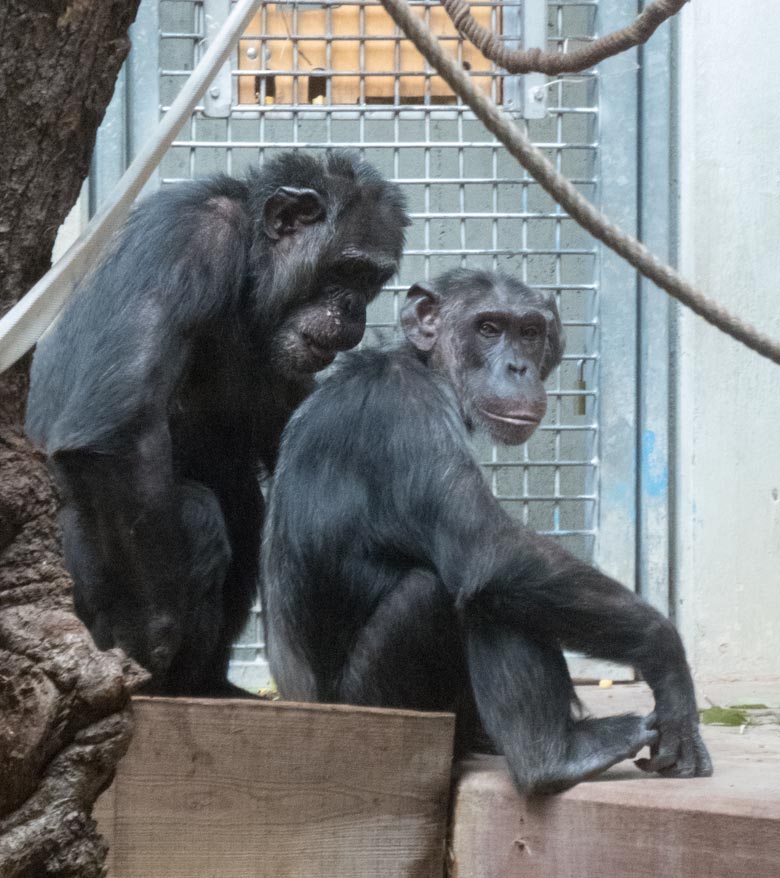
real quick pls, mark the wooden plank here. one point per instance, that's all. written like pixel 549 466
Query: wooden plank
pixel 644 828
pixel 627 823
pixel 244 789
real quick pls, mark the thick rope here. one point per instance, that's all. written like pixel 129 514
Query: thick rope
pixel 554 63
pixel 578 207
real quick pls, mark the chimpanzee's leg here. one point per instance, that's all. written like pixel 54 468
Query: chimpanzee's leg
pixel 528 705
pixel 543 599
pixel 410 654
pixel 171 624
pixel 198 667
pixel 241 503
pixel 95 582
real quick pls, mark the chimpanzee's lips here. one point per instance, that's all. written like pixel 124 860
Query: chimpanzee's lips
pixel 321 354
pixel 518 419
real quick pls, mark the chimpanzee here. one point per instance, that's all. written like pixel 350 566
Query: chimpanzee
pixel 162 391
pixel 392 577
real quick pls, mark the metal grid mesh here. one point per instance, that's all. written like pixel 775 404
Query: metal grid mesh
pixel 470 201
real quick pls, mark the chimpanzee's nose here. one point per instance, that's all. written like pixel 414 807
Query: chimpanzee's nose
pixel 518 368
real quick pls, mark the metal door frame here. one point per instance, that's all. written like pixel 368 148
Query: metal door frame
pixel 637 131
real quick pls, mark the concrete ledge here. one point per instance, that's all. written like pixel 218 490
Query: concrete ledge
pixel 628 824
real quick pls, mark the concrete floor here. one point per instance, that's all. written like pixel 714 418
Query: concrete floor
pixel 627 824
pixel 747 760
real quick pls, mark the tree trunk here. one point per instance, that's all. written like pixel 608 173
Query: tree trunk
pixel 64 707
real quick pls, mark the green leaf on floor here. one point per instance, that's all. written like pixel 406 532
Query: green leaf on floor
pixel 749 707
pixel 723 716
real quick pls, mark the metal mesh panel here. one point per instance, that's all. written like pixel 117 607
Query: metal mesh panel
pixel 338 74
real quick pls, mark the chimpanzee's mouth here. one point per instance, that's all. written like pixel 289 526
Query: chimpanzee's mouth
pixel 319 353
pixel 518 419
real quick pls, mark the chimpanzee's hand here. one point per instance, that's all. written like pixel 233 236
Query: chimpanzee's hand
pixel 151 637
pixel 679 750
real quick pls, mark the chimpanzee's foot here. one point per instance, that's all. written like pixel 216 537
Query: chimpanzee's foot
pixel 593 746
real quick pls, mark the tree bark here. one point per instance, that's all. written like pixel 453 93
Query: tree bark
pixel 64 707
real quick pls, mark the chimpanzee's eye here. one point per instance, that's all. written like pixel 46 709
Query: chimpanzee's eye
pixel 488 329
pixel 530 332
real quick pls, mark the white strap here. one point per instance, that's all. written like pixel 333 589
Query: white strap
pixel 24 324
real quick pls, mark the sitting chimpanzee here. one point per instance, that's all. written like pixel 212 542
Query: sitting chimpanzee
pixel 392 577
pixel 162 392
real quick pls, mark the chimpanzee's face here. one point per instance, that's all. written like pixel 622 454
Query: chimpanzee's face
pixel 501 351
pixel 330 258
pixel 334 319
pixel 496 344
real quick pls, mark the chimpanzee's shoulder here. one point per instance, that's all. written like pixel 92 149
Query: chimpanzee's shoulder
pixel 378 368
pixel 395 381
pixel 374 392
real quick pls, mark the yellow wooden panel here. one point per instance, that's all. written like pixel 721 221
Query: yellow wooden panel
pixel 441 26
pixel 390 57
pixel 247 92
pixel 380 56
pixel 312 54
pixel 345 54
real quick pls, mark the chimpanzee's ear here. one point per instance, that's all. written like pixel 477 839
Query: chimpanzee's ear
pixel 288 209
pixel 420 318
pixel 556 340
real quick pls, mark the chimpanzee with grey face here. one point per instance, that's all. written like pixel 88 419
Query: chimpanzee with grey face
pixel 392 577
pixel 162 392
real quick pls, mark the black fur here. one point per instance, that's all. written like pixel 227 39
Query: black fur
pixel 162 391
pixel 393 577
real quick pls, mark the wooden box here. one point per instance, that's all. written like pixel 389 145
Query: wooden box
pixel 245 789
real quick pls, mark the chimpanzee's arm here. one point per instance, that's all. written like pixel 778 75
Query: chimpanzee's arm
pixel 497 570
pixel 127 547
pixel 105 380
pixel 108 367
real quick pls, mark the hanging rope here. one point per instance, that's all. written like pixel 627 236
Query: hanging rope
pixel 564 192
pixel 554 63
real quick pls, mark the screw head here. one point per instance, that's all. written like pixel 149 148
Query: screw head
pixel 251 52
pixel 214 91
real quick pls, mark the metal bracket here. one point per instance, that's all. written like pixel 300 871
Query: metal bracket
pixel 219 96
pixel 526 95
